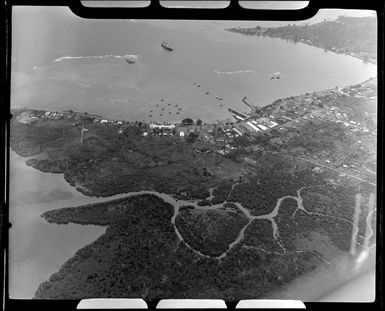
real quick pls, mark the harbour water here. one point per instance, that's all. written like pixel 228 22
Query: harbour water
pixel 207 63
pixel 36 248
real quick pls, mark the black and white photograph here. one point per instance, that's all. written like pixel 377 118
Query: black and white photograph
pixel 192 159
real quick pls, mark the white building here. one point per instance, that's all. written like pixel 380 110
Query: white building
pixel 237 131
pixel 262 127
pixel 154 126
pixel 238 118
pixel 253 126
pixel 181 134
pixel 272 124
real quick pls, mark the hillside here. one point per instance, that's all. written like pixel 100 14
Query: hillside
pixel 356 36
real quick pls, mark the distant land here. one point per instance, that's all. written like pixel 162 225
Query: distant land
pixel 355 36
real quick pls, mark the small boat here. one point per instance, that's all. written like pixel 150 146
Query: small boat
pixel 207 92
pixel 220 98
pixel 162 100
pixel 150 116
pixel 177 113
pixel 157 105
pixel 168 104
pixel 151 110
pixel 169 112
pixel 198 85
pixel 276 75
pixel 166 46
pixel 162 109
pixel 161 114
pixel 221 105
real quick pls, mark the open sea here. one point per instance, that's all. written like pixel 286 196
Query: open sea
pixel 77 64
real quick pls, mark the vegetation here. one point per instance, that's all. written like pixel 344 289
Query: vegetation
pixel 187 121
pixel 191 137
pixel 139 256
pixel 317 137
pixel 260 193
pixel 353 35
pixel 346 34
pixel 107 162
pixel 222 191
pixel 259 234
pixel 210 232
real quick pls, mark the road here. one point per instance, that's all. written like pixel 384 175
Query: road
pixel 370 171
pixel 333 169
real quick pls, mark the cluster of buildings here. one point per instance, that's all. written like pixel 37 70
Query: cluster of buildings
pixel 335 115
pixel 163 130
pixel 31 115
pixel 364 91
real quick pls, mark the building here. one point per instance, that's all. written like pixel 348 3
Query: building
pixel 237 131
pixel 154 126
pixel 262 127
pixel 252 126
pixel 238 118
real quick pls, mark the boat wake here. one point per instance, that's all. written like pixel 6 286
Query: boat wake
pixel 128 56
pixel 234 72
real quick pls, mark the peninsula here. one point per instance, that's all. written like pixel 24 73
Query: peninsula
pixel 355 36
pixel 237 209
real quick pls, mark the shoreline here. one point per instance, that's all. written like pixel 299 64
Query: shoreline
pixel 208 124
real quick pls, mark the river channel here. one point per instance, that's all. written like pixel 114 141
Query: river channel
pixel 38 248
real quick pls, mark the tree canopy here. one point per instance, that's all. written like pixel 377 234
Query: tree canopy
pixel 187 121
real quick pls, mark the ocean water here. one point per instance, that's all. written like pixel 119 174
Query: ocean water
pixel 78 64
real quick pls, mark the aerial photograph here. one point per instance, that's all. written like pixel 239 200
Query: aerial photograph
pixel 198 159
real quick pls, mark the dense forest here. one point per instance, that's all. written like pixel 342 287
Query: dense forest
pixel 356 35
pixel 107 162
pixel 210 232
pixel 140 256
pixel 260 193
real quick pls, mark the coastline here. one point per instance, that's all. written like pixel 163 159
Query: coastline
pixel 107 198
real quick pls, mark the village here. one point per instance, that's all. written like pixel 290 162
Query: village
pixel 277 121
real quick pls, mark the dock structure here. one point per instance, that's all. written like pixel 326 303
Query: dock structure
pixel 238 118
pixel 238 113
pixel 248 104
